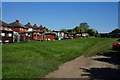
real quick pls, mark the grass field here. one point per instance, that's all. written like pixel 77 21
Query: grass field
pixel 36 59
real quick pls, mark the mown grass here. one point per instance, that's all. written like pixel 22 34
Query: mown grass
pixel 36 59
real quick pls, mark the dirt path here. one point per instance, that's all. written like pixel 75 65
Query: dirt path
pixel 97 67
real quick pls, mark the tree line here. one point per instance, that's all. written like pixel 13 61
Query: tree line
pixel 82 28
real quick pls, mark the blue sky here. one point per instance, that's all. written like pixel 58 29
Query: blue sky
pixel 102 16
pixel 60 0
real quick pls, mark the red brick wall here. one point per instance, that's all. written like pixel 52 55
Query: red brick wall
pixel 16 29
pixel 51 37
pixel 42 37
pixel 34 36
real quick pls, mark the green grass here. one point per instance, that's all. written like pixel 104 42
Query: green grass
pixel 36 59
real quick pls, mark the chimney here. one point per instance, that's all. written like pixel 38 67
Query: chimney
pixel 34 24
pixel 28 22
pixel 40 25
pixel 17 21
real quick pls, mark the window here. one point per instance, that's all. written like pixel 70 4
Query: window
pixel 2 34
pixel 9 34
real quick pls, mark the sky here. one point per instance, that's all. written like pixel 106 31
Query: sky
pixel 60 0
pixel 102 16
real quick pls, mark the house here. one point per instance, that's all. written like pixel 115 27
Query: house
pixel 50 36
pixel 68 35
pixel 84 34
pixel 42 29
pixel 36 33
pixel 30 33
pixel 36 27
pixel 59 35
pixel 18 27
pixel 78 35
pixel 6 33
pixel 30 27
pixel 5 26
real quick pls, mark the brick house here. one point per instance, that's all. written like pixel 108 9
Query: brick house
pixel 50 36
pixel 6 33
pixel 68 35
pixel 18 27
pixel 35 32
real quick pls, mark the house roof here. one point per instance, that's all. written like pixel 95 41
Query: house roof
pixel 29 25
pixel 35 26
pixel 16 24
pixel 41 27
pixel 2 23
pixel 50 33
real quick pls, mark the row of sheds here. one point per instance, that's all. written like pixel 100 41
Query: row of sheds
pixel 16 32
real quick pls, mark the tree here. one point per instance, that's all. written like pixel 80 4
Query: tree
pixel 47 29
pixel 84 25
pixel 92 32
pixel 116 31
pixel 77 29
pixel 70 30
pixel 63 30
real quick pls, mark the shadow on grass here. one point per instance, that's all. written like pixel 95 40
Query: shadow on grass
pixel 105 73
pixel 102 73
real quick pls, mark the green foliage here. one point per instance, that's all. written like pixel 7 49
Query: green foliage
pixel 47 29
pixel 84 25
pixel 92 32
pixel 116 31
pixel 70 30
pixel 63 30
pixel 77 29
